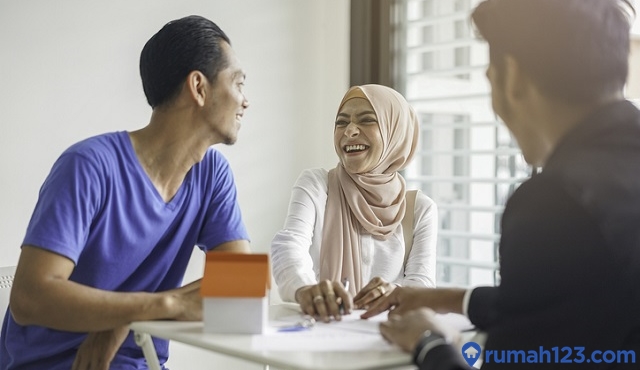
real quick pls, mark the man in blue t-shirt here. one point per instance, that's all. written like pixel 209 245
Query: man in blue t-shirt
pixel 119 214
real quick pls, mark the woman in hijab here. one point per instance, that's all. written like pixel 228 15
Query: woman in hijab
pixel 345 225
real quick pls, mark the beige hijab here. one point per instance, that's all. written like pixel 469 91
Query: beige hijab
pixel 372 202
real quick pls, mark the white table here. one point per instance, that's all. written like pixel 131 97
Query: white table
pixel 241 347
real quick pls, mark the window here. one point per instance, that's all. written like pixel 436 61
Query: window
pixel 461 59
pixel 427 61
pixel 427 8
pixel 466 161
pixel 461 30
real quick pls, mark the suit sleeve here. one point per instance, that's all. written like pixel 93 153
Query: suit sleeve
pixel 481 310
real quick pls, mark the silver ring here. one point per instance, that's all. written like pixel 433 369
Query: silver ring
pixel 318 298
pixel 381 289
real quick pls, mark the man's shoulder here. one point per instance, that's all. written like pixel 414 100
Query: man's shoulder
pixel 98 152
pixel 212 173
pixel 603 151
pixel 213 158
pixel 103 143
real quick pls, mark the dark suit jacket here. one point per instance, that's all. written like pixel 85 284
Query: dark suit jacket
pixel 570 252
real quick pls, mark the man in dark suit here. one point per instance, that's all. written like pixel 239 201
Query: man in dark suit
pixel 570 246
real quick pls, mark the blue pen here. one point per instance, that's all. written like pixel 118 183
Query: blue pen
pixel 293 328
pixel 305 324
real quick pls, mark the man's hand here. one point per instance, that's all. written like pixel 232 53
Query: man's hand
pixel 99 348
pixel 372 292
pixel 406 330
pixel 404 299
pixel 188 302
pixel 323 300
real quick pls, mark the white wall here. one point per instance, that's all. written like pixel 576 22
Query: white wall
pixel 69 69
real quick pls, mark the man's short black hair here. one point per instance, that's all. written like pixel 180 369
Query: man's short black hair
pixel 574 50
pixel 184 45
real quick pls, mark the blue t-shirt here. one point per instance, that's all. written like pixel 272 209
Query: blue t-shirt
pixel 99 208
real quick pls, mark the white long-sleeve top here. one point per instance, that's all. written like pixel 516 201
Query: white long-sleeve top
pixel 295 250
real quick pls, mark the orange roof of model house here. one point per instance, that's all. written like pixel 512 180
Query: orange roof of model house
pixel 229 274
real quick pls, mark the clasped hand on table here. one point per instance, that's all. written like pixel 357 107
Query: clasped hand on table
pixel 329 299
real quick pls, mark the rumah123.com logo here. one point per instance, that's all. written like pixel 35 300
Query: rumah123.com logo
pixel 471 352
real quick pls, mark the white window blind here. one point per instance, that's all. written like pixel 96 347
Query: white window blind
pixel 467 161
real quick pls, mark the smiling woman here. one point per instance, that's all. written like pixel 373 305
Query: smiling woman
pixel 357 136
pixel 345 225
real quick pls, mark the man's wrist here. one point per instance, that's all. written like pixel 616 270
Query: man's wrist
pixel 427 342
pixel 452 300
pixel 164 306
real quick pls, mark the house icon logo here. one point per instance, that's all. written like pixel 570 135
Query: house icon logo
pixel 471 352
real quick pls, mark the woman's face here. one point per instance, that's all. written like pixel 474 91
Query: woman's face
pixel 357 137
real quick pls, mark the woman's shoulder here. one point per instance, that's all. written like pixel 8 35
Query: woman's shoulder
pixel 313 178
pixel 424 203
pixel 319 174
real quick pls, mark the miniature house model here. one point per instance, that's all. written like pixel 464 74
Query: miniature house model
pixel 235 290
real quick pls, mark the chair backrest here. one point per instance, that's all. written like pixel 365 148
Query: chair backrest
pixel 6 280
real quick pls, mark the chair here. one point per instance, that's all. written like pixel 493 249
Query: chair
pixel 6 280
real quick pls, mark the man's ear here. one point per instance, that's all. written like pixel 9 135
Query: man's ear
pixel 196 85
pixel 516 81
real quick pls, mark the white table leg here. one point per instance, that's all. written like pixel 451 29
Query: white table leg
pixel 144 341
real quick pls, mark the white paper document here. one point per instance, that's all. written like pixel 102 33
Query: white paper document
pixel 349 334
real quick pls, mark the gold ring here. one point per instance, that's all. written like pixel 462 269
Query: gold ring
pixel 381 289
pixel 318 298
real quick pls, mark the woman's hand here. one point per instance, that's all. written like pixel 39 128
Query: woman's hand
pixel 324 300
pixel 370 293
